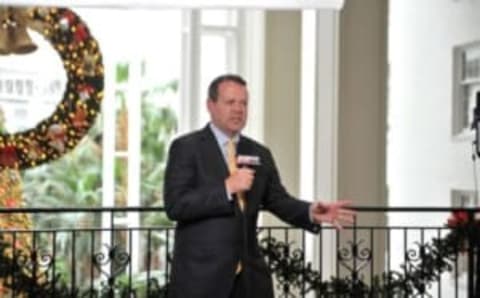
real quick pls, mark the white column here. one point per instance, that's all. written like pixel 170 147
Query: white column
pixel 190 73
pixel 326 124
pixel 252 66
pixel 108 152
pixel 319 122
pixel 307 119
pixel 134 156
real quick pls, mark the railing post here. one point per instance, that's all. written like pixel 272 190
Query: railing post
pixel 471 254
pixel 476 239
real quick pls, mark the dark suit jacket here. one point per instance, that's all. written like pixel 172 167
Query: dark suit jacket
pixel 212 234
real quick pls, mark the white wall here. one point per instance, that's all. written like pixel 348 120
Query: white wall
pixel 424 161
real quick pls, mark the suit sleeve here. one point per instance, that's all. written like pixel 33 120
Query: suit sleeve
pixel 185 200
pixel 281 203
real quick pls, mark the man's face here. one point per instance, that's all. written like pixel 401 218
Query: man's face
pixel 229 111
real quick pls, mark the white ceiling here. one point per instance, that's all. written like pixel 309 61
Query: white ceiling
pixel 262 4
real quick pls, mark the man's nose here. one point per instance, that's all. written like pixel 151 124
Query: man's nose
pixel 239 107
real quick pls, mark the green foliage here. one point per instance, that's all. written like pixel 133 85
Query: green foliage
pixel 158 126
pixel 417 275
pixel 73 180
pixel 140 286
pixel 122 72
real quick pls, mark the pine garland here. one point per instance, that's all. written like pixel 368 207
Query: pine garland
pixel 431 260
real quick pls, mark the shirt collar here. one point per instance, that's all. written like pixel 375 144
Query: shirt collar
pixel 221 137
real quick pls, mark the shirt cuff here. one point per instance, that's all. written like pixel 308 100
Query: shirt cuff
pixel 310 213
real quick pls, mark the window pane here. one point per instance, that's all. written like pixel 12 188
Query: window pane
pixel 146 71
pixel 214 61
pixel 159 124
pixel 121 181
pixel 30 85
pixel 219 17
pixel 34 83
pixel 160 106
pixel 121 119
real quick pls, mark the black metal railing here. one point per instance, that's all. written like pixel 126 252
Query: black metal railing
pixel 113 252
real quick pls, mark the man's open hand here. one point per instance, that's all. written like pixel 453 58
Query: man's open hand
pixel 335 213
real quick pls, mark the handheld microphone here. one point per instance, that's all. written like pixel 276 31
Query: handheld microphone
pixel 248 160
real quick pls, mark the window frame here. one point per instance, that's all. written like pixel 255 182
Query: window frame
pixel 249 23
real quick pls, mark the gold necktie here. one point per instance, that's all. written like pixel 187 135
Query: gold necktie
pixel 232 167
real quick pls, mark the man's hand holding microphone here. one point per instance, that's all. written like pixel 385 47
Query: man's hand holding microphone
pixel 241 179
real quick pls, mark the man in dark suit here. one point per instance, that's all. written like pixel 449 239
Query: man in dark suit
pixel 216 203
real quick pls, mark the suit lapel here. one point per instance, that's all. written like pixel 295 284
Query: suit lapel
pixel 213 155
pixel 244 147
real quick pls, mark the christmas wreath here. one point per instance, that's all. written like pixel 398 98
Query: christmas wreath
pixel 76 111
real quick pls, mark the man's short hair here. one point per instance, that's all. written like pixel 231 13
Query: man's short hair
pixel 213 87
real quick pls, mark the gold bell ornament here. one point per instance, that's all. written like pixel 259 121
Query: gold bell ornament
pixel 14 38
pixel 4 33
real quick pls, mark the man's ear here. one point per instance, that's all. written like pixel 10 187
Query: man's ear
pixel 210 104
